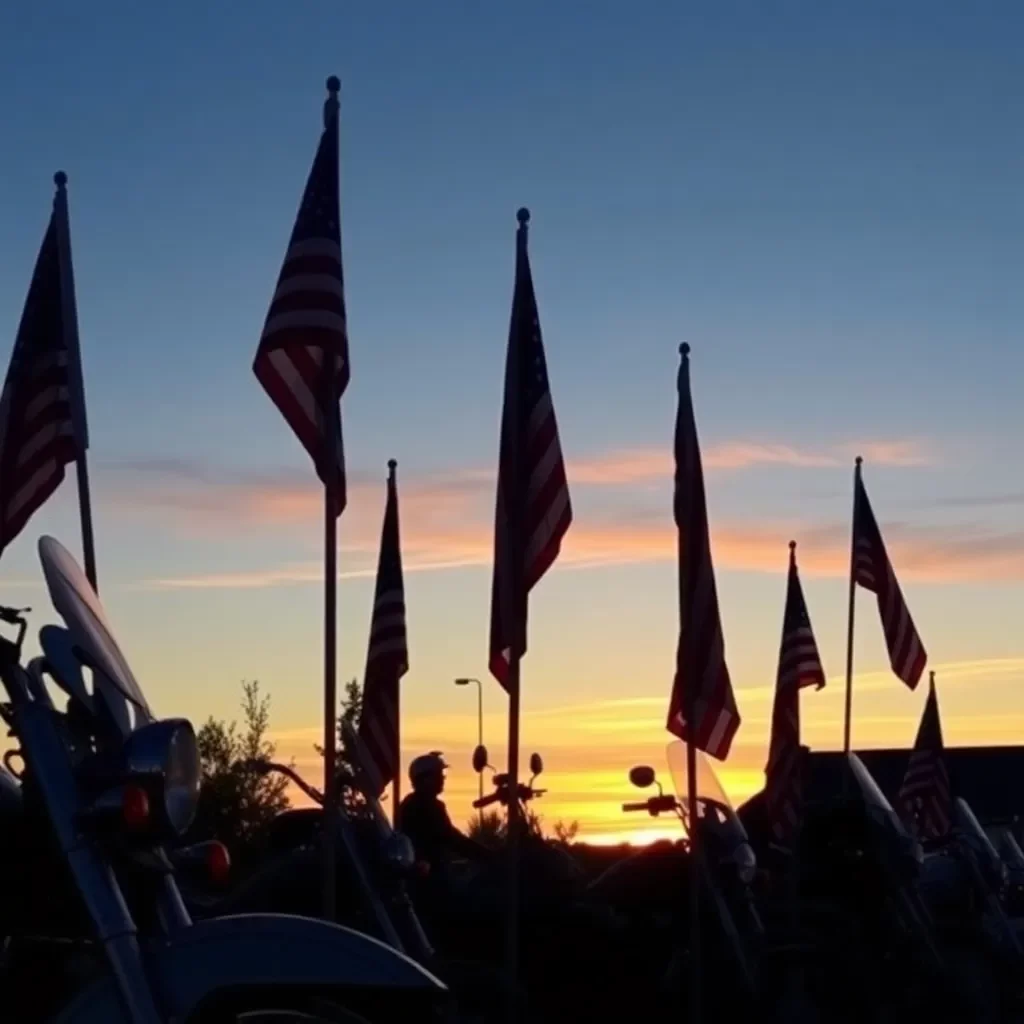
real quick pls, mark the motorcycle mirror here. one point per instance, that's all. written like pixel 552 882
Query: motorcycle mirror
pixel 479 759
pixel 641 775
pixel 536 764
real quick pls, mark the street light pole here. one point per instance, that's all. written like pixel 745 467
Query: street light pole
pixel 464 681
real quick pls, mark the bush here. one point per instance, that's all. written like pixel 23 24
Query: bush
pixel 235 804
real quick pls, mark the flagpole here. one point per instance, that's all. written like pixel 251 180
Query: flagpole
pixel 332 428
pixel 695 872
pixel 689 711
pixel 517 643
pixel 396 783
pixel 69 318
pixel 852 605
pixel 514 829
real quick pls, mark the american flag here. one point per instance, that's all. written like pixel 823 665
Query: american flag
pixel 42 409
pixel 799 666
pixel 873 571
pixel 924 797
pixel 387 659
pixel 306 324
pixel 533 511
pixel 701 678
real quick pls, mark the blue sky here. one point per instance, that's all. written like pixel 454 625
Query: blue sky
pixel 824 200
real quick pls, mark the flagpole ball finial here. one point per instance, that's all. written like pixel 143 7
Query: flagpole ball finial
pixel 859 461
pixel 792 545
pixel 523 216
pixel 60 179
pixel 334 84
pixel 392 466
pixel 684 350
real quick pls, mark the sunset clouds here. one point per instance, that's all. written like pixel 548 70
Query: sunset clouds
pixel 624 517
pixel 641 465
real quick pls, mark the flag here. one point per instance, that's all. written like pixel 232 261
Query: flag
pixel 387 659
pixel 306 327
pixel 701 678
pixel 532 510
pixel 799 666
pixel 924 797
pixel 873 571
pixel 42 407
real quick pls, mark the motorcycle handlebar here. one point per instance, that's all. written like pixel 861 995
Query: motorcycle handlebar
pixel 13 616
pixel 501 796
pixel 642 806
pixel 264 767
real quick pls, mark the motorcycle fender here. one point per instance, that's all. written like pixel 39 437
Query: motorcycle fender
pixel 257 950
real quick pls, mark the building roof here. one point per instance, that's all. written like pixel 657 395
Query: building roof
pixel 990 779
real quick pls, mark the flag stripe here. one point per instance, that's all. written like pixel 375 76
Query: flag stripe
pixel 925 799
pixel 799 666
pixel 39 430
pixel 701 678
pixel 533 510
pixel 873 571
pixel 306 327
pixel 387 658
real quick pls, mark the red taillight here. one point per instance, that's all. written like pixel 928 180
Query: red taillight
pixel 218 861
pixel 135 807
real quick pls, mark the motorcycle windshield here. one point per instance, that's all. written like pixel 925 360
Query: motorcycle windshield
pixel 972 830
pixel 714 808
pixel 872 796
pixel 1008 848
pixel 78 605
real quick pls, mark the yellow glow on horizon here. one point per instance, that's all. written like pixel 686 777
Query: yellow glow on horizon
pixel 588 747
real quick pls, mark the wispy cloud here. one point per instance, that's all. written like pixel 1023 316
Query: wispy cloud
pixel 746 454
pixel 195 495
pixel 638 465
pixel 1006 499
pixel 447 521
pixel 625 466
pixel 928 554
pixel 892 453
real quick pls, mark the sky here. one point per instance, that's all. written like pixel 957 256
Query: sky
pixel 822 199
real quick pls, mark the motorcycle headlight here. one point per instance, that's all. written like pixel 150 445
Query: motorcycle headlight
pixel 746 863
pixel 164 758
pixel 399 852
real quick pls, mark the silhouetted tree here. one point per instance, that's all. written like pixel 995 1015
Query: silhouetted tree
pixel 566 832
pixel 345 761
pixel 488 829
pixel 492 828
pixel 235 803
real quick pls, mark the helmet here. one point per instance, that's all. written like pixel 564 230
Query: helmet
pixel 426 764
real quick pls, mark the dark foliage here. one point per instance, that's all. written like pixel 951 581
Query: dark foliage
pixel 235 804
pixel 346 764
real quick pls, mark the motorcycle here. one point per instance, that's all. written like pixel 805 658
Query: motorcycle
pixel 652 889
pixel 557 914
pixel 375 866
pixel 1009 850
pixel 96 929
pixel 549 876
pixel 864 913
pixel 966 882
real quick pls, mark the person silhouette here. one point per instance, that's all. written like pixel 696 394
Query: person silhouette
pixel 423 817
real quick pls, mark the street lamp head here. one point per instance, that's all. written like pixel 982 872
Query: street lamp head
pixel 463 682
